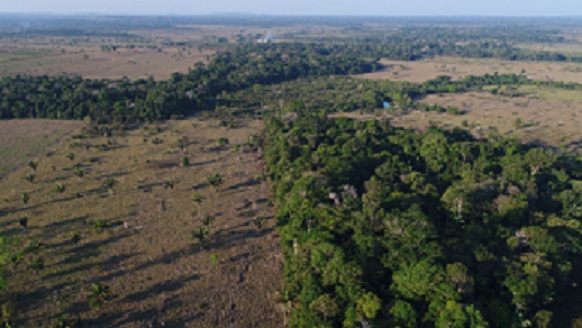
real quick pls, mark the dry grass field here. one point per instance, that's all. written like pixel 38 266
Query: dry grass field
pixel 547 121
pixel 457 68
pixel 21 140
pixel 92 62
pixel 83 55
pixel 110 215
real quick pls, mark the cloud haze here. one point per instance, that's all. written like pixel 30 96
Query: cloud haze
pixel 303 7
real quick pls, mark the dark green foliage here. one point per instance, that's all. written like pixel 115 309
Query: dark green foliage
pixel 201 234
pixel 185 161
pixel 183 94
pixel 79 172
pixel 23 221
pixel 197 198
pixel 30 177
pixel 109 183
pixel 25 198
pixel 223 142
pixel 33 165
pixel 59 187
pixel 383 226
pixel 98 295
pixel 76 238
pixel 36 264
pixel 259 222
pixel 207 220
pixel 215 180
pixel 99 225
pixel 67 321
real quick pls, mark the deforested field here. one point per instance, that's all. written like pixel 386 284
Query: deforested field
pixel 22 140
pixel 163 225
pixel 457 68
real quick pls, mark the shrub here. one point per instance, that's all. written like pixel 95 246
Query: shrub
pixel 97 295
pixel 185 161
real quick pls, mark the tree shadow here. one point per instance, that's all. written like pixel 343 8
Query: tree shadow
pixel 248 183
pixel 201 185
pixel 60 224
pixel 203 163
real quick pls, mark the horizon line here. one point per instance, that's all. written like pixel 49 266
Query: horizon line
pixel 242 14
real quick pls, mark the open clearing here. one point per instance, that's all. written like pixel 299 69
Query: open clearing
pixel 137 238
pixel 148 52
pixel 24 139
pixel 92 62
pixel 457 68
pixel 552 122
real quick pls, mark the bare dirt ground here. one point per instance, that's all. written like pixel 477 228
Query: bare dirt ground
pixel 457 68
pixel 138 239
pixel 550 122
pixel 21 140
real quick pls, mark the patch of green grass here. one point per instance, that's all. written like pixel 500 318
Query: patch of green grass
pixel 550 93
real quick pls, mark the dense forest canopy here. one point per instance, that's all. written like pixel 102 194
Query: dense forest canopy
pixel 65 97
pixel 386 227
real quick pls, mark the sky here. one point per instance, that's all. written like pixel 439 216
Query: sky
pixel 303 7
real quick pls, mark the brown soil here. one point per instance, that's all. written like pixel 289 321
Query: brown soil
pixel 157 272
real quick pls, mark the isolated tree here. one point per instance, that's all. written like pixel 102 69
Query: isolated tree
pixel 23 221
pixel 170 184
pixel 76 238
pixel 201 234
pixel 207 220
pixel 259 222
pixel 25 198
pixel 518 123
pixel 185 161
pixel 30 177
pixel 33 165
pixel 215 180
pixel 197 198
pixel 182 144
pixel 98 294
pixel 109 183
pixel 60 188
pixel 79 172
pixel 223 142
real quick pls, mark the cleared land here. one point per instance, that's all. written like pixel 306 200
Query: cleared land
pixel 547 121
pixel 147 52
pixel 138 238
pixel 457 68
pixel 22 140
pixel 92 62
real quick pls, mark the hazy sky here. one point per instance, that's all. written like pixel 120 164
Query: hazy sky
pixel 302 7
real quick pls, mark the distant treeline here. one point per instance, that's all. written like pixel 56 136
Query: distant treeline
pixel 345 94
pixel 66 97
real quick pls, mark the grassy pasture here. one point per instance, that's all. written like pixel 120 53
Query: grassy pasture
pixel 457 68
pixel 82 55
pixel 91 62
pixel 138 237
pixel 22 140
pixel 554 120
